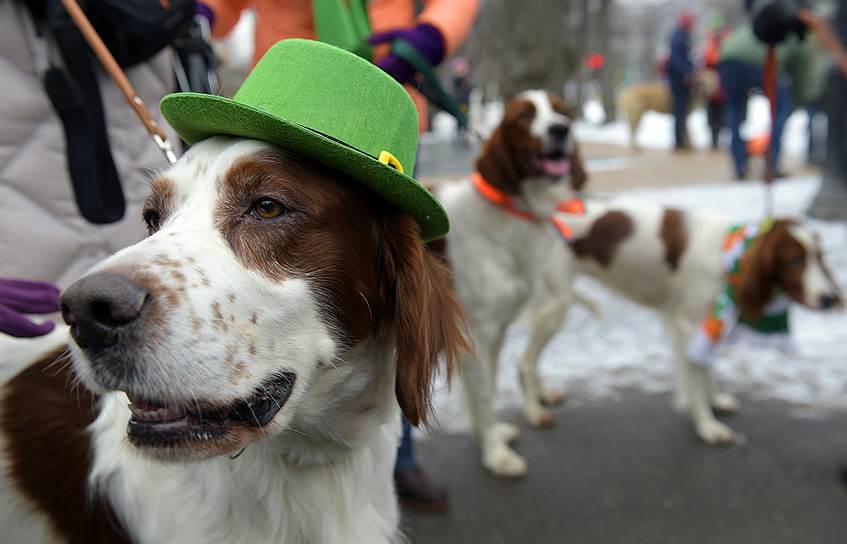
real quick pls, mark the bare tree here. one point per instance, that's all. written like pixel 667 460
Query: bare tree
pixel 521 45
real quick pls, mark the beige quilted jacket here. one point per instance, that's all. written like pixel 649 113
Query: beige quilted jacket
pixel 42 235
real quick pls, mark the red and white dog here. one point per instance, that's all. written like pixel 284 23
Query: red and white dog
pixel 675 261
pixel 239 370
pixel 501 235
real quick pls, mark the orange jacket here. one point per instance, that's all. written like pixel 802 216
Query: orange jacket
pixel 281 19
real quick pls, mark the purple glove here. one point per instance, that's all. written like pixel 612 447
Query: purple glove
pixel 204 11
pixel 18 297
pixel 427 40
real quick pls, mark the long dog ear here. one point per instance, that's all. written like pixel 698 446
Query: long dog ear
pixel 758 276
pixel 496 163
pixel 428 320
pixel 579 175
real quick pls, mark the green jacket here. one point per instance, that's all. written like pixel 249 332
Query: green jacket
pixel 794 58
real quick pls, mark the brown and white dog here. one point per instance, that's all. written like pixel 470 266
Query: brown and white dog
pixel 500 237
pixel 673 261
pixel 236 375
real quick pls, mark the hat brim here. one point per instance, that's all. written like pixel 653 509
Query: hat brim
pixel 196 116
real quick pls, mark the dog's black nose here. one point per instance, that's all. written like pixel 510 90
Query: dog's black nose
pixel 558 131
pixel 829 301
pixel 99 306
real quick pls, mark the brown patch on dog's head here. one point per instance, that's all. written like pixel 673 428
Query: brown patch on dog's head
pixel 674 236
pixel 604 237
pixel 777 260
pixel 367 261
pixel 159 203
pixel 504 159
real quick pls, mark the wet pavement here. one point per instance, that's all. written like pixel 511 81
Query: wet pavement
pixel 632 471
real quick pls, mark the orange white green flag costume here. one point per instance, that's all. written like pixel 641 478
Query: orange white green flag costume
pixel 724 320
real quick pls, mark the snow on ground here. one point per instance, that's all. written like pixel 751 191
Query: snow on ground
pixel 594 359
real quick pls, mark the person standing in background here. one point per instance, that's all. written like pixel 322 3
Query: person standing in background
pixel 436 32
pixel 718 30
pixel 680 71
pixel 742 71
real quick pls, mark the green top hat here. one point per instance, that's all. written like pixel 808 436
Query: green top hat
pixel 330 105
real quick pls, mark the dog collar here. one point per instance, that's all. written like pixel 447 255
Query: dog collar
pixel 506 203
pixel 499 198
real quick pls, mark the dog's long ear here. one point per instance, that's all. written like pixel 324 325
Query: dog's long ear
pixel 579 175
pixel 496 163
pixel 428 320
pixel 758 275
pixel 499 161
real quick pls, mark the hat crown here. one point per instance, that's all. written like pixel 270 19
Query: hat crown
pixel 337 94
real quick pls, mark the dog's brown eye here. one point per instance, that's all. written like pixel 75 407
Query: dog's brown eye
pixel 797 262
pixel 267 208
pixel 153 220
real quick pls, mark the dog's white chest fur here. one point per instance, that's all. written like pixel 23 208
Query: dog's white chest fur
pixel 260 496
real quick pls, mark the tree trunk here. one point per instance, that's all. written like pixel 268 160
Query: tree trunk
pixel 608 78
pixel 581 47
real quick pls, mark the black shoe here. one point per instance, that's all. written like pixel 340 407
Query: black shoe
pixel 417 492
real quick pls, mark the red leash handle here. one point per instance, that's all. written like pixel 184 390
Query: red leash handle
pixel 771 78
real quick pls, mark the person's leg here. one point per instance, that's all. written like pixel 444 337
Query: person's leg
pixel 681 97
pixel 714 111
pixel 414 488
pixel 736 111
pixel 406 452
pixel 811 113
pixel 784 107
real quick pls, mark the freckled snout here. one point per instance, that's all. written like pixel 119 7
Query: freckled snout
pixel 100 307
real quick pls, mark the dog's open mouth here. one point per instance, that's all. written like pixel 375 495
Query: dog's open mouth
pixel 555 165
pixel 155 424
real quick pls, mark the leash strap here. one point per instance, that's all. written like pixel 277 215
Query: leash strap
pixel 117 74
pixel 507 204
pixel 771 78
pixel 430 85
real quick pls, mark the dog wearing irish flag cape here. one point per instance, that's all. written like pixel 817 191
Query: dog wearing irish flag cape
pixel 708 278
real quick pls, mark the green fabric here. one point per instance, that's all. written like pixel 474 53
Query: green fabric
pixel 327 104
pixel 768 323
pixel 794 58
pixel 344 24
